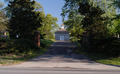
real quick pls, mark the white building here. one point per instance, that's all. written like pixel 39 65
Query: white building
pixel 62 34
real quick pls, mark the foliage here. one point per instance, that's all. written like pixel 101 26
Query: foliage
pixel 93 22
pixel 29 48
pixel 45 42
pixel 4 45
pixel 49 26
pixel 74 26
pixel 71 6
pixel 116 27
pixel 100 57
pixel 73 39
pixel 16 46
pixel 109 46
pixel 2 18
pixel 37 7
pixel 96 24
pixel 24 45
pixel 104 46
pixel 116 3
pixel 1 4
pixel 21 45
pixel 24 20
pixel 73 23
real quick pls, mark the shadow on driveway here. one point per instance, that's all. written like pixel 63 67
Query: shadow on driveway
pixel 62 51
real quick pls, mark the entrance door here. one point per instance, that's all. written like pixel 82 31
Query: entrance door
pixel 62 38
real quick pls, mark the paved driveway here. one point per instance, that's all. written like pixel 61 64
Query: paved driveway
pixel 61 54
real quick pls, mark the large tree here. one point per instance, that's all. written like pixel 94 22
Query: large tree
pixel 37 7
pixel 74 25
pixel 24 21
pixel 95 13
pixel 2 17
pixel 49 26
pixel 116 3
pixel 93 21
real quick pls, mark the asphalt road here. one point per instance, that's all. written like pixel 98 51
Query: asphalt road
pixel 61 55
pixel 62 48
pixel 54 71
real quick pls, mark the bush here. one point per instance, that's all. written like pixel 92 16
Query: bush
pixel 16 45
pixel 21 45
pixel 108 46
pixel 24 45
pixel 5 45
pixel 45 42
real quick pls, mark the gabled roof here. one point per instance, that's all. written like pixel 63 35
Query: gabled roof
pixel 62 31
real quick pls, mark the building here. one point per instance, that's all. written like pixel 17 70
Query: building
pixel 62 34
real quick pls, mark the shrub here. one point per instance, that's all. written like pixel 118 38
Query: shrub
pixel 73 39
pixel 45 42
pixel 21 45
pixel 5 45
pixel 16 45
pixel 24 45
pixel 109 46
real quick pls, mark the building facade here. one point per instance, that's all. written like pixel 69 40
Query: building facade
pixel 62 34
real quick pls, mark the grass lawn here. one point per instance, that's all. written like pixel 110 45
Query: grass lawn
pixel 100 57
pixel 16 58
pixel 104 59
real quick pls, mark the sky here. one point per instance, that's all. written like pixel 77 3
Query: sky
pixel 52 7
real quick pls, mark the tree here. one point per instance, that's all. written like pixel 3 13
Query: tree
pixel 101 8
pixel 49 26
pixel 2 18
pixel 73 22
pixel 74 26
pixel 115 21
pixel 93 22
pixel 24 20
pixel 37 7
pixel 116 27
pixel 116 3
pixel 1 4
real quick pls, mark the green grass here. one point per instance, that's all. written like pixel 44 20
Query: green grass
pixel 20 57
pixel 104 59
pixel 99 57
pixel 15 58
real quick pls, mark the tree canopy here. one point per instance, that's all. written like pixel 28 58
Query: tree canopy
pixel 2 17
pixel 96 15
pixel 24 20
pixel 35 13
pixel 49 26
